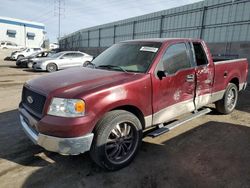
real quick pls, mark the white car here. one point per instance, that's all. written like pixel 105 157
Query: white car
pixel 9 45
pixel 26 52
pixel 63 60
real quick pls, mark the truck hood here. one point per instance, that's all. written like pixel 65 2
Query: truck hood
pixel 77 81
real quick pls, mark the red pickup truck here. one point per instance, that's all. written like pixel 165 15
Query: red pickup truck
pixel 132 86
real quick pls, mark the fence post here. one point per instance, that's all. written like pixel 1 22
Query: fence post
pixel 133 31
pixel 114 34
pixel 88 38
pixel 161 25
pixel 202 21
pixel 99 37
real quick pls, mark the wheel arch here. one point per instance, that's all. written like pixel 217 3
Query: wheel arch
pixel 235 81
pixel 134 110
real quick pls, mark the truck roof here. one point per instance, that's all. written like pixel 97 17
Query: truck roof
pixel 161 40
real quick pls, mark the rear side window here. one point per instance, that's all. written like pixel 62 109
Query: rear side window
pixel 200 56
pixel 36 49
pixel 175 58
pixel 76 55
pixel 68 55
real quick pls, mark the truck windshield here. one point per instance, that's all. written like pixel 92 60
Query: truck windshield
pixel 128 56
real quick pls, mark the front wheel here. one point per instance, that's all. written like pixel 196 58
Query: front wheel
pixel 227 104
pixel 118 136
pixel 29 65
pixel 51 67
pixel 19 57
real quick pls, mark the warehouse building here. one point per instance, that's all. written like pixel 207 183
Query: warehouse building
pixel 21 32
pixel 223 24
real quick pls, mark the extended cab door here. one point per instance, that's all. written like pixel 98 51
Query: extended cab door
pixel 204 74
pixel 173 91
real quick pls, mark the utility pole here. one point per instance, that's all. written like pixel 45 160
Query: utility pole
pixel 59 6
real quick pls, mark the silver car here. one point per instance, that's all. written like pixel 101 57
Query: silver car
pixel 63 60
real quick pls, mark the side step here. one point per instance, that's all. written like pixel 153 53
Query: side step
pixel 177 123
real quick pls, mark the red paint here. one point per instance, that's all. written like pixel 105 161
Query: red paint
pixel 104 90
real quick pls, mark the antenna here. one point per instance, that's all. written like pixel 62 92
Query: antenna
pixel 59 11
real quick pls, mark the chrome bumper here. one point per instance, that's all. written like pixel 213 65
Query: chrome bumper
pixel 64 146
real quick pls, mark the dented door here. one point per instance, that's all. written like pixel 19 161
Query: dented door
pixel 204 75
pixel 174 94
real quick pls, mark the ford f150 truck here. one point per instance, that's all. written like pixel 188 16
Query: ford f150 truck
pixel 132 86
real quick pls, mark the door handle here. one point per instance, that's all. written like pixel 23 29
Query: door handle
pixel 190 78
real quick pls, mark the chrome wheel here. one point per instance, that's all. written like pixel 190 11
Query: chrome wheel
pixel 121 142
pixel 51 67
pixel 231 99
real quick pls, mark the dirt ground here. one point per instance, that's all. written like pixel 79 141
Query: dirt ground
pixel 211 151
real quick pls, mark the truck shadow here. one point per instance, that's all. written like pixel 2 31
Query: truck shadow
pixel 244 100
pixel 212 155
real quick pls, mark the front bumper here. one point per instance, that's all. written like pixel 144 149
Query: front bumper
pixel 38 66
pixel 64 146
pixel 13 57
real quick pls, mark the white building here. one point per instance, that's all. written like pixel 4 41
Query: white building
pixel 21 32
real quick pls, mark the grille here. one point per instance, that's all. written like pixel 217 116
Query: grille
pixel 36 102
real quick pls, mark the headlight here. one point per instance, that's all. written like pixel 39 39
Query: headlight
pixel 67 107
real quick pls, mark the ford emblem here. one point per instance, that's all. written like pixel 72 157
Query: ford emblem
pixel 30 99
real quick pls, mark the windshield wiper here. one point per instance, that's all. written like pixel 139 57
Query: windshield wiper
pixel 112 66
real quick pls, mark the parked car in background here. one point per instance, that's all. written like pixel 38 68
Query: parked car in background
pixel 63 60
pixel 9 45
pixel 29 60
pixel 26 52
pixel 53 46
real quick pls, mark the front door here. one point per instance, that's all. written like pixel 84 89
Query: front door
pixel 174 94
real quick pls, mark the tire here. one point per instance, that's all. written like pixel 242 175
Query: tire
pixel 51 67
pixel 123 144
pixel 227 104
pixel 20 56
pixel 85 64
pixel 29 65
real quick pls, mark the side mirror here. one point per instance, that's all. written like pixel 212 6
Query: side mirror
pixel 161 74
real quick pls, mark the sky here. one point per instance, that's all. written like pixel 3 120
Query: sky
pixel 79 14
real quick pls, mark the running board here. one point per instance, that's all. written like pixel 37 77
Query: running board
pixel 177 123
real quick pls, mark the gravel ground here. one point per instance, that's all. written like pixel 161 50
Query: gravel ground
pixel 211 151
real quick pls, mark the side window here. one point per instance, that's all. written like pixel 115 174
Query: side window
pixel 44 54
pixel 68 56
pixel 175 58
pixel 40 55
pixel 77 55
pixel 200 55
pixel 9 44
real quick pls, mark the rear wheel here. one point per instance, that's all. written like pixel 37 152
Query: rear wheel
pixel 85 64
pixel 117 139
pixel 51 67
pixel 227 104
